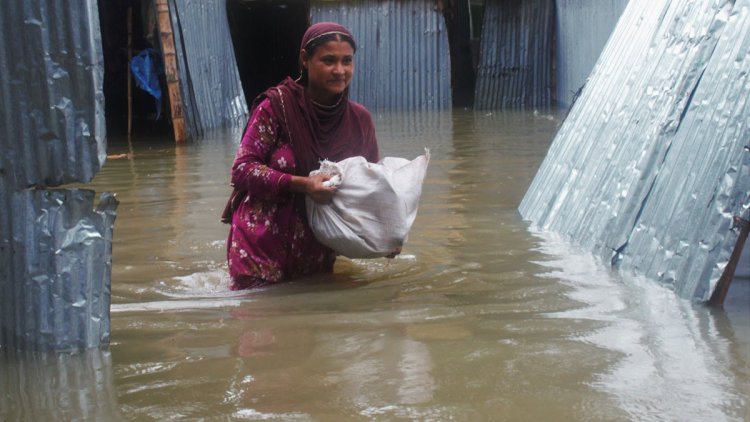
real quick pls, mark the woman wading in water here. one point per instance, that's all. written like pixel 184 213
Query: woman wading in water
pixel 293 126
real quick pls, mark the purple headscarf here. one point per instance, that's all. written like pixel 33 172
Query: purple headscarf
pixel 324 28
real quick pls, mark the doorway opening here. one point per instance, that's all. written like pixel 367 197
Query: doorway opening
pixel 128 27
pixel 463 21
pixel 266 35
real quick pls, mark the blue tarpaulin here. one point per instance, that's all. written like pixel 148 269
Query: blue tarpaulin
pixel 146 68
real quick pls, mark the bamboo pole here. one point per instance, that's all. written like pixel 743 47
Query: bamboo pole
pixel 130 77
pixel 170 70
pixel 722 286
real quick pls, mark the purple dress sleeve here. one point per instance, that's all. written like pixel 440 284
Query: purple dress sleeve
pixel 260 166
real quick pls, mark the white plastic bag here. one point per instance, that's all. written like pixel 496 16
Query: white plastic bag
pixel 373 210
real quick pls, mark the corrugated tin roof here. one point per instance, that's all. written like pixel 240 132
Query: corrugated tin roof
pixel 651 164
pixel 210 84
pixel 515 61
pixel 403 59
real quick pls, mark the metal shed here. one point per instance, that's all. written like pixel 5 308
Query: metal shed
pixel 210 87
pixel 516 55
pixel 403 59
pixel 583 28
pixel 651 167
pixel 55 246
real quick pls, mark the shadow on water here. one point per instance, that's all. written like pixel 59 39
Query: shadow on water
pixel 477 319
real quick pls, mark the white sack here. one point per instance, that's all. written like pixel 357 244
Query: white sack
pixel 376 203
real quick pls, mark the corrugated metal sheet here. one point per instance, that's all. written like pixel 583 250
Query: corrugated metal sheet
pixel 52 120
pixel 56 288
pixel 209 81
pixel 402 59
pixel 583 28
pixel 515 59
pixel 651 164
pixel 54 248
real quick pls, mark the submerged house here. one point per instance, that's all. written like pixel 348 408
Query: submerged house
pixel 65 89
pixel 412 54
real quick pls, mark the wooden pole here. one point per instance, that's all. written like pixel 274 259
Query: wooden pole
pixel 130 77
pixel 170 70
pixel 722 286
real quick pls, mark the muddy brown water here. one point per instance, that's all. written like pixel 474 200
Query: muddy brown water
pixel 478 319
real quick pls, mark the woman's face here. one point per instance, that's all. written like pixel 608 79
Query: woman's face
pixel 329 70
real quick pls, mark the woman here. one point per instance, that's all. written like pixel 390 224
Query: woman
pixel 292 127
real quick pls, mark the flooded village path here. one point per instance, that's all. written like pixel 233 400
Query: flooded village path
pixel 477 319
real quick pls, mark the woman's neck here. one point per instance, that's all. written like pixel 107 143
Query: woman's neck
pixel 323 100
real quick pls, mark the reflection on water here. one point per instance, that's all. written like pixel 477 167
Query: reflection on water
pixel 40 386
pixel 477 319
pixel 674 357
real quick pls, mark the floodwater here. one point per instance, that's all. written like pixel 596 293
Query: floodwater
pixel 477 319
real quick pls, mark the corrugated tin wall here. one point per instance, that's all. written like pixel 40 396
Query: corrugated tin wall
pixel 583 28
pixel 402 59
pixel 210 83
pixel 651 164
pixel 57 294
pixel 54 247
pixel 516 55
pixel 51 100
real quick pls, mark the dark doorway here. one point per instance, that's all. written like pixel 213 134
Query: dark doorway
pixel 120 42
pixel 461 18
pixel 266 36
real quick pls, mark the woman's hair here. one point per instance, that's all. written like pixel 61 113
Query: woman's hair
pixel 314 43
